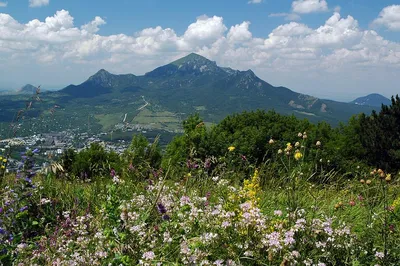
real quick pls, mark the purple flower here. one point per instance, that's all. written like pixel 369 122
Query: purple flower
pixel 2 231
pixel 112 173
pixel 161 208
pixel 36 150
pixel 23 208
pixel 166 217
pixel 1 210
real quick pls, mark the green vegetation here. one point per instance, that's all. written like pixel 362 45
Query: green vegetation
pixel 258 188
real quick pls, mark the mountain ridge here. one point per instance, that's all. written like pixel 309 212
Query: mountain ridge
pixel 194 80
pixel 163 97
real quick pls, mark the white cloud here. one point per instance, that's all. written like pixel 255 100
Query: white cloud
pixel 240 33
pixel 254 2
pixel 204 31
pixel 323 54
pixel 309 6
pixel 3 4
pixel 38 3
pixel 389 17
pixel 287 16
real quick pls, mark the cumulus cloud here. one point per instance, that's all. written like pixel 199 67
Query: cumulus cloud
pixel 239 33
pixel 3 4
pixel 334 49
pixel 204 31
pixel 309 6
pixel 38 3
pixel 389 17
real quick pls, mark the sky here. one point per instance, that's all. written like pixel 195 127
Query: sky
pixel 335 49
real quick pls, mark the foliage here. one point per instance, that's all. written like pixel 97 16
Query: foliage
pixel 90 163
pixel 380 136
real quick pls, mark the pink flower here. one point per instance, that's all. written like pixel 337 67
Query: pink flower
pixel 149 255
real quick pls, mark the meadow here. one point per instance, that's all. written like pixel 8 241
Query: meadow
pixel 256 189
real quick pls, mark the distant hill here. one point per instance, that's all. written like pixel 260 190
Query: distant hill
pixel 373 99
pixel 165 96
pixel 27 89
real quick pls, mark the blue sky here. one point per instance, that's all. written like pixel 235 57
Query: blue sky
pixel 335 49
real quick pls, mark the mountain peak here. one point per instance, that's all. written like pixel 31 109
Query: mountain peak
pixel 373 99
pixel 190 65
pixel 102 77
pixel 193 58
pixel 101 72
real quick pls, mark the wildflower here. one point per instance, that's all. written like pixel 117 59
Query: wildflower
pixel 278 213
pixel 300 135
pixel 271 141
pixel 388 177
pixel 379 255
pixel 161 208
pixel 112 172
pixel 289 147
pixel 352 203
pixel 280 151
pixel 4 160
pixel 362 181
pixel 231 148
pixel 318 143
pixel 289 240
pixel 3 167
pixel 368 182
pixel 185 200
pixel 243 157
pixel 149 255
pixel 218 262
pixel 298 155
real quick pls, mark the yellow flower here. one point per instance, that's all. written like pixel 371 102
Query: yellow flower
pixel 231 148
pixel 3 167
pixel 1 158
pixel 4 160
pixel 298 155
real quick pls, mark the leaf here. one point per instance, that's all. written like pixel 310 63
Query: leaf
pixel 35 222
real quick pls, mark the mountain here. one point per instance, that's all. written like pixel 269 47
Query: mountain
pixel 163 97
pixel 373 99
pixel 27 89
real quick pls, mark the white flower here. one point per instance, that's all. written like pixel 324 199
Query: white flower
pixel 149 255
